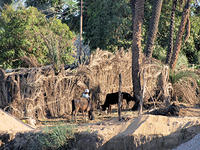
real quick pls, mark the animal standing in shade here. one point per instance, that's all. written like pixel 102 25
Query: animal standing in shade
pixel 112 98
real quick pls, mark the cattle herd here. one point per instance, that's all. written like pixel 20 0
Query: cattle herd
pixel 84 105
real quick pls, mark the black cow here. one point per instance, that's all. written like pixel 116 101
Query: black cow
pixel 112 98
pixel 83 105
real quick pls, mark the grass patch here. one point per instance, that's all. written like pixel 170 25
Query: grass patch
pixel 57 137
pixel 60 137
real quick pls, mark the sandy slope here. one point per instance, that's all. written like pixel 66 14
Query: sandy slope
pixel 145 132
pixel 11 124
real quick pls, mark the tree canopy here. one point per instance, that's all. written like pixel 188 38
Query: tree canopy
pixel 107 24
pixel 26 33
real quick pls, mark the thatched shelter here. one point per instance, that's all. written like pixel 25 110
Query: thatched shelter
pixel 41 93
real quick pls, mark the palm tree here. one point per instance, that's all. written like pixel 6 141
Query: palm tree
pixel 153 27
pixel 171 30
pixel 178 43
pixel 138 15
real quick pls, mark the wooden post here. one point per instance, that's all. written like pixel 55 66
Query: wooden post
pixel 119 99
pixel 81 30
pixel 143 91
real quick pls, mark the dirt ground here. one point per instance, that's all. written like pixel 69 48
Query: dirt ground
pixel 110 130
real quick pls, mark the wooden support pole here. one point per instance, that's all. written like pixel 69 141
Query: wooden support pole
pixel 81 31
pixel 120 97
pixel 143 91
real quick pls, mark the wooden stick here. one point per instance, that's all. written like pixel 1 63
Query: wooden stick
pixel 143 92
pixel 119 99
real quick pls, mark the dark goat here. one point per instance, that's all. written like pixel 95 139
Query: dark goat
pixel 112 98
pixel 83 105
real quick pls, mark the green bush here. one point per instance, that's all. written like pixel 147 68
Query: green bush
pixel 27 33
pixel 182 61
pixel 58 137
pixel 159 53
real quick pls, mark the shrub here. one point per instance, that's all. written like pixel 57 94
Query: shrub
pixel 50 138
pixel 58 137
pixel 182 61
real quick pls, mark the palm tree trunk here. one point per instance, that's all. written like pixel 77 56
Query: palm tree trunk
pixel 153 27
pixel 136 47
pixel 132 3
pixel 181 31
pixel 171 31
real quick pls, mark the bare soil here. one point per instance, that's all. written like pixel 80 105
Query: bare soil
pixel 107 132
pixel 140 132
pixel 132 132
pixel 10 124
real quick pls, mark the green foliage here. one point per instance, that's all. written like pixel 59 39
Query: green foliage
pixel 175 77
pixel 62 9
pixel 57 137
pixel 159 53
pixel 108 24
pixel 5 2
pixel 37 3
pixel 182 61
pixel 27 32
pixel 60 137
pixel 191 48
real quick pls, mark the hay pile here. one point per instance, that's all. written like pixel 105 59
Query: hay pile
pixel 187 91
pixel 41 93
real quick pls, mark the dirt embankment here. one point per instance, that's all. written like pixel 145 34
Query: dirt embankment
pixel 133 132
pixel 10 124
pixel 145 132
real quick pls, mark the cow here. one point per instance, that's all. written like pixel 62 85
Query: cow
pixel 112 98
pixel 83 105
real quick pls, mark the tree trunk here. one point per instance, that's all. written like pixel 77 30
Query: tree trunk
pixel 171 31
pixel 132 3
pixel 136 48
pixel 153 27
pixel 178 43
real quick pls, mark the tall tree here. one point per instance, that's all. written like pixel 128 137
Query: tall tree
pixel 171 31
pixel 26 33
pixel 153 27
pixel 178 43
pixel 138 14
